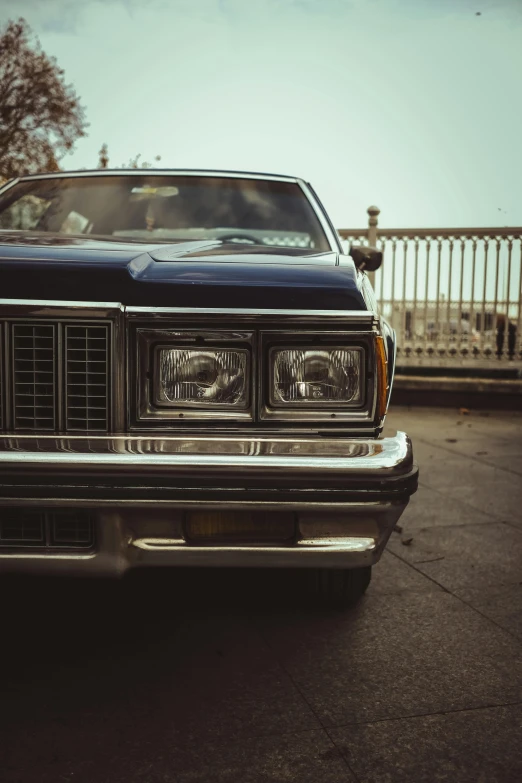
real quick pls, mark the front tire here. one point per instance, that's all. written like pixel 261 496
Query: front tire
pixel 340 588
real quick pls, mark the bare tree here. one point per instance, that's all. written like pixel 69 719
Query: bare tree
pixel 134 163
pixel 40 115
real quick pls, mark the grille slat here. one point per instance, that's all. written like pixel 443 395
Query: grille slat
pixel 86 377
pixel 34 365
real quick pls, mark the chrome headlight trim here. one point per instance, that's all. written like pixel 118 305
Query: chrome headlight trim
pixel 319 403
pixel 161 396
pixel 148 406
pixel 359 413
pixel 145 412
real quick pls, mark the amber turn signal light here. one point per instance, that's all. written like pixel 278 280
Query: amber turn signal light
pixel 382 377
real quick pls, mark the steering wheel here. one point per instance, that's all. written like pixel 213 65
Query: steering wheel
pixel 246 238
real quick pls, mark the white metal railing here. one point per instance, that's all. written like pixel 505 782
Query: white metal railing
pixel 453 295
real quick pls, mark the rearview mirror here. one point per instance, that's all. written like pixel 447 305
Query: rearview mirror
pixel 365 257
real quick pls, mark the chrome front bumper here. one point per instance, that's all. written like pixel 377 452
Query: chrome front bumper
pixel 347 494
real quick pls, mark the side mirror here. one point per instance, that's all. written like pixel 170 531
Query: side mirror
pixel 367 258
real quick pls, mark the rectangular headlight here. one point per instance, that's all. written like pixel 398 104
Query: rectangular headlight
pixel 316 377
pixel 202 377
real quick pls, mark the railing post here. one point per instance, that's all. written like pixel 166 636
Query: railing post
pixel 373 212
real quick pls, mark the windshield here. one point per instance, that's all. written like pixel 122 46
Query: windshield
pixel 166 208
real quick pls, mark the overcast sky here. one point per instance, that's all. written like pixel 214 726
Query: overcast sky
pixel 414 105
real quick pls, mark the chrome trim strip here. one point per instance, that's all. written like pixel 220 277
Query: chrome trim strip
pixel 158 173
pixel 118 443
pixel 366 458
pixel 341 507
pixel 39 307
pixel 9 184
pixel 56 309
pixel 112 562
pixel 360 317
pixel 22 556
pixel 347 544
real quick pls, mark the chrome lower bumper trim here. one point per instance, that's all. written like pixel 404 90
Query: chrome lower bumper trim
pixel 179 469
pixel 347 495
pixel 347 537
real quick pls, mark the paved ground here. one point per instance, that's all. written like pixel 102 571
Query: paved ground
pixel 223 677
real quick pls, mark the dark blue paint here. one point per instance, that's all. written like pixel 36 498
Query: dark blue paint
pixel 196 274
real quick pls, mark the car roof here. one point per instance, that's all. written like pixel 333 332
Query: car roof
pixel 163 172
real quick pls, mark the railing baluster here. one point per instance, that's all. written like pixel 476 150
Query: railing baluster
pixel 461 295
pixel 483 323
pixel 508 283
pixel 426 287
pixel 404 267
pixel 448 309
pixel 415 284
pixel 438 329
pixel 518 337
pixel 495 305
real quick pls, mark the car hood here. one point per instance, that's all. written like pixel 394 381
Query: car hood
pixel 203 273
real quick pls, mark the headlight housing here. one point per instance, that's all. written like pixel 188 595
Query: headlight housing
pixel 185 376
pixel 316 377
pixel 207 377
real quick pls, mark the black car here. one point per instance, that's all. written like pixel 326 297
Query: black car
pixel 193 372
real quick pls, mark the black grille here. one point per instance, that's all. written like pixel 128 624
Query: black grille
pixel 55 377
pixel 1 378
pixel 34 356
pixel 46 529
pixel 22 528
pixel 71 529
pixel 87 355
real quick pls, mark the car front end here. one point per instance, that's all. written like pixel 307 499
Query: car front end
pixel 208 432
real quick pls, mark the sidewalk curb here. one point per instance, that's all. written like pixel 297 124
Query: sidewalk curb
pixel 451 392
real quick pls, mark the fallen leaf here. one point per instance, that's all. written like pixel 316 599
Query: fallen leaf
pixel 432 560
pixel 464 411
pixel 406 540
